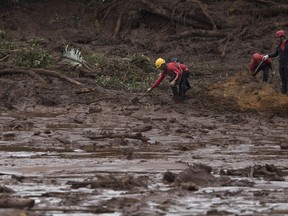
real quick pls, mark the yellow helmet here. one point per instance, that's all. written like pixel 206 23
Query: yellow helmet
pixel 159 62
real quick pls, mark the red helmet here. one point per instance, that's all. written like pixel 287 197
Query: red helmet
pixel 257 57
pixel 280 33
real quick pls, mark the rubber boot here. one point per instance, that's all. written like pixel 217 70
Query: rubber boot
pixel 175 93
pixel 182 90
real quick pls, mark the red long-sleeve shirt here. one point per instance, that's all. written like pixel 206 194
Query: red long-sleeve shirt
pixel 254 64
pixel 172 69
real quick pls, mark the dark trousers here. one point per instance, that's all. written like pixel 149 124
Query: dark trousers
pixel 181 87
pixel 265 70
pixel 283 72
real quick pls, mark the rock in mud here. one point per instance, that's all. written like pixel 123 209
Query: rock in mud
pixel 200 174
pixel 284 146
pixel 169 177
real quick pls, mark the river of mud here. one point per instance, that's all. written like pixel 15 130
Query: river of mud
pixel 110 158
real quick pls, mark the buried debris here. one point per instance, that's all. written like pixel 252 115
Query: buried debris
pixel 137 135
pixel 4 189
pixel 113 182
pixel 136 100
pixel 268 171
pixel 13 202
pixel 200 175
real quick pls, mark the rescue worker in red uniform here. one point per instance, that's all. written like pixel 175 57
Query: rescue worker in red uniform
pixel 282 51
pixel 178 73
pixel 257 63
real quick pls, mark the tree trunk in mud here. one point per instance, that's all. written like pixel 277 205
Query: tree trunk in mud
pixel 16 203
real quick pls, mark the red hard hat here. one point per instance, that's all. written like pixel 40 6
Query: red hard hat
pixel 280 33
pixel 256 57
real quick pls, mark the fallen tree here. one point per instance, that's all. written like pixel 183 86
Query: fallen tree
pixel 36 72
pixel 195 15
pixel 137 135
pixel 14 202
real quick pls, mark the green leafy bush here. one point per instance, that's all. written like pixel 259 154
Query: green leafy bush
pixel 132 73
pixel 32 58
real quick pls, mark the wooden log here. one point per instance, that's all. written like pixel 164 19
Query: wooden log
pixel 281 24
pixel 194 20
pixel 55 74
pixel 137 135
pixel 118 25
pixel 13 71
pixel 206 14
pixel 200 33
pixel 35 72
pixel 12 202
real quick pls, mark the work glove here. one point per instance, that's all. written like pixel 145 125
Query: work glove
pixel 265 57
pixel 149 90
pixel 172 83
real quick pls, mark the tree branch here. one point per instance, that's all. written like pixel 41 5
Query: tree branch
pixel 137 135
pixel 39 71
pixel 200 33
pixel 14 71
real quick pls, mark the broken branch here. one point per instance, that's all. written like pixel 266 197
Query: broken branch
pixel 137 135
pixel 16 203
pixel 200 33
pixel 13 71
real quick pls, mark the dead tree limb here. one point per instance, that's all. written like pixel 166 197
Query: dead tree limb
pixel 223 53
pixel 118 25
pixel 270 9
pixel 107 9
pixel 13 71
pixel 200 33
pixel 214 27
pixel 137 135
pixel 190 19
pixel 268 3
pixel 36 72
pixel 5 56
pixel 55 74
pixel 281 24
pixel 39 71
pixel 65 209
pixel 16 203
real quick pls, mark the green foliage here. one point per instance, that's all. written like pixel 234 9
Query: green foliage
pixel 133 84
pixel 32 58
pixel 28 54
pixel 96 58
pixel 35 42
pixel 143 62
pixel 4 45
pixel 134 73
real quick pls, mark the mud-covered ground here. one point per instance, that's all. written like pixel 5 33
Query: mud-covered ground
pixel 69 150
pixel 114 157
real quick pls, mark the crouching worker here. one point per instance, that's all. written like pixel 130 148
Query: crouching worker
pixel 178 74
pixel 257 64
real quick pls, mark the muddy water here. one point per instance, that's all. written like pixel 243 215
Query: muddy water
pixel 46 153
